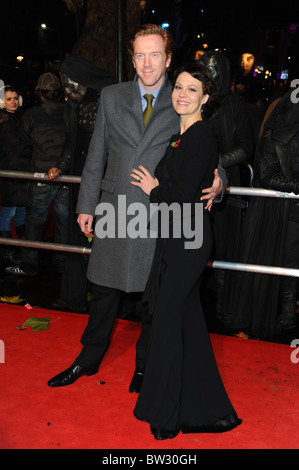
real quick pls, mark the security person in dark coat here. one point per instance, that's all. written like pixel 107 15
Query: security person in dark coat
pixel 83 83
pixel 15 154
pixel 235 142
pixel 45 126
pixel 266 304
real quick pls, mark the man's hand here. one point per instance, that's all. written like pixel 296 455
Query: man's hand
pixel 85 222
pixel 53 173
pixel 213 191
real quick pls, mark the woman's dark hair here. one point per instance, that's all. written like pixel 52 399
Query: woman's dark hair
pixel 11 88
pixel 203 74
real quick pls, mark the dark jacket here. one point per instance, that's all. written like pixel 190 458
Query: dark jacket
pixel 46 127
pixel 15 155
pixel 230 120
pixel 235 140
pixel 277 159
pixel 266 222
pixel 231 124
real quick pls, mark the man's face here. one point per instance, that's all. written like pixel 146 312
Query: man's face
pixel 247 61
pixel 73 90
pixel 150 61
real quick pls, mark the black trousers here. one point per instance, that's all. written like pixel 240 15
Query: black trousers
pixel 288 287
pixel 95 339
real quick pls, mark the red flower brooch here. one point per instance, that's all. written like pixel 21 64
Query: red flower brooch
pixel 89 236
pixel 175 144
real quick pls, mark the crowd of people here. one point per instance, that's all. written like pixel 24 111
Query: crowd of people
pixel 157 142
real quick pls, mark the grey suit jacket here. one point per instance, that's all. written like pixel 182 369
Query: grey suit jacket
pixel 120 143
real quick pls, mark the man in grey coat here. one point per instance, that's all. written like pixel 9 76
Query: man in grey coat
pixel 121 141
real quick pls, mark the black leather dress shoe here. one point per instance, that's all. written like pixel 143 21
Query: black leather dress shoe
pixel 162 434
pixel 70 375
pixel 283 325
pixel 136 381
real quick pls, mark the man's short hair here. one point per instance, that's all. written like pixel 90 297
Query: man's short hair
pixel 146 30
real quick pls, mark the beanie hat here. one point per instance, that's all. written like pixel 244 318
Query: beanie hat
pixel 48 81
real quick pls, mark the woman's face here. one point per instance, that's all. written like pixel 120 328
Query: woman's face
pixel 188 96
pixel 11 101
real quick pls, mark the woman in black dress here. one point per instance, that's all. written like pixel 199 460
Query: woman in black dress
pixel 182 389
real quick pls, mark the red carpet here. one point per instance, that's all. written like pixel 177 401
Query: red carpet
pixel 96 412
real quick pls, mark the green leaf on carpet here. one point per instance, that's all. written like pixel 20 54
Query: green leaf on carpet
pixel 15 299
pixel 37 324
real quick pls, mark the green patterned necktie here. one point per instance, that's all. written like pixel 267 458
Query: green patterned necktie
pixel 149 108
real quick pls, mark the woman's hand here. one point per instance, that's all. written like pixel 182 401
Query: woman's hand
pixel 213 191
pixel 53 173
pixel 144 179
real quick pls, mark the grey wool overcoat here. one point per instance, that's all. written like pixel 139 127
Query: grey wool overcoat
pixel 120 143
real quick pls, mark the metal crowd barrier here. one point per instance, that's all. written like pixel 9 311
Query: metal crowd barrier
pixel 243 191
pixel 38 176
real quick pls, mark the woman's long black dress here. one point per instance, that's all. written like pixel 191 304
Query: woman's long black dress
pixel 182 388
